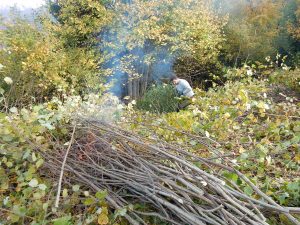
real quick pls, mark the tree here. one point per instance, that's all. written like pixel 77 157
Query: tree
pixel 80 21
pixel 252 29
pixel 39 64
pixel 294 23
pixel 147 38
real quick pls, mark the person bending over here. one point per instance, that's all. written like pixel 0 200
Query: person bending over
pixel 184 89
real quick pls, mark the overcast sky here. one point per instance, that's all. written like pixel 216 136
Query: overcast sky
pixel 21 3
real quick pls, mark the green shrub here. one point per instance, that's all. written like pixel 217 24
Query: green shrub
pixel 159 99
pixel 35 65
pixel 289 78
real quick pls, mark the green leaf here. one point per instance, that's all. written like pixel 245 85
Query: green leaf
pixel 26 154
pixel 39 163
pixel 42 187
pixel 48 125
pixel 33 156
pixel 7 138
pixel 294 186
pixel 62 221
pixel 33 183
pixel 248 191
pixel 296 128
pixel 75 188
pixel 282 198
pixel 65 193
pixel 89 201
pixel 37 195
pixel 121 212
pixel 232 176
pixel 101 195
pixel 193 142
pixel 13 110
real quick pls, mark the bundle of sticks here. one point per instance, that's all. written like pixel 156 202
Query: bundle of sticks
pixel 165 178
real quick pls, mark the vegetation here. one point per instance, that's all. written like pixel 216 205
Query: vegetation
pixel 159 99
pixel 40 67
pixel 241 57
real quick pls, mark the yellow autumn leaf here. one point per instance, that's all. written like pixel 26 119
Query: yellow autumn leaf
pixel 103 219
pixel 297 158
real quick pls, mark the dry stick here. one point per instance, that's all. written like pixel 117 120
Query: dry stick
pixel 270 200
pixel 108 198
pixel 103 169
pixel 263 195
pixel 241 175
pixel 180 211
pixel 244 209
pixel 63 166
pixel 274 206
pixel 95 165
pixel 251 203
pixel 290 217
pixel 18 214
pixel 116 159
pixel 157 215
pixel 139 142
pixel 295 210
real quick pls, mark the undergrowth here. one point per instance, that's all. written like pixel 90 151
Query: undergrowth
pixel 159 99
pixel 258 133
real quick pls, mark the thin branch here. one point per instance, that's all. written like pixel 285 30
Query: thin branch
pixel 63 167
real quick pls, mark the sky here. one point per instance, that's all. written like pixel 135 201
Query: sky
pixel 29 4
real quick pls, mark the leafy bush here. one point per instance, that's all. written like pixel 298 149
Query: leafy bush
pixel 159 99
pixel 289 78
pixel 263 134
pixel 255 30
pixel 38 65
pixel 27 195
pixel 80 21
pixel 158 34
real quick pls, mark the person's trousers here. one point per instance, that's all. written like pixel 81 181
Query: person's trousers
pixel 184 103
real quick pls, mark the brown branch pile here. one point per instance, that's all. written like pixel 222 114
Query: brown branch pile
pixel 137 170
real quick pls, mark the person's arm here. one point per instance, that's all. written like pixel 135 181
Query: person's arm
pixel 179 88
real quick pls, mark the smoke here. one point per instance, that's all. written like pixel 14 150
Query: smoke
pixel 235 8
pixel 130 57
pixel 146 38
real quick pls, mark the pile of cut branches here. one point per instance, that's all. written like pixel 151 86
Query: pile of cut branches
pixel 134 170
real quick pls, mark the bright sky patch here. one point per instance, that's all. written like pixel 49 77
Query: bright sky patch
pixel 22 3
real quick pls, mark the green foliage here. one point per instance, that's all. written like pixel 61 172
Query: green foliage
pixel 62 221
pixel 258 28
pixel 80 21
pixel 246 118
pixel 252 29
pixel 289 78
pixel 143 30
pixel 40 67
pixel 294 22
pixel 26 196
pixel 159 99
pixel 56 60
pixel 23 191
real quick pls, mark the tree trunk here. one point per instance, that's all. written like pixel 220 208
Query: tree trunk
pixel 138 81
pixel 134 89
pixel 129 87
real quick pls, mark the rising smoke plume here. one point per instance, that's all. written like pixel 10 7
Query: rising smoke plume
pixel 146 38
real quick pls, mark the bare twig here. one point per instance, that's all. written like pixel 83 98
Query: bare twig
pixel 63 166
pixel 162 177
